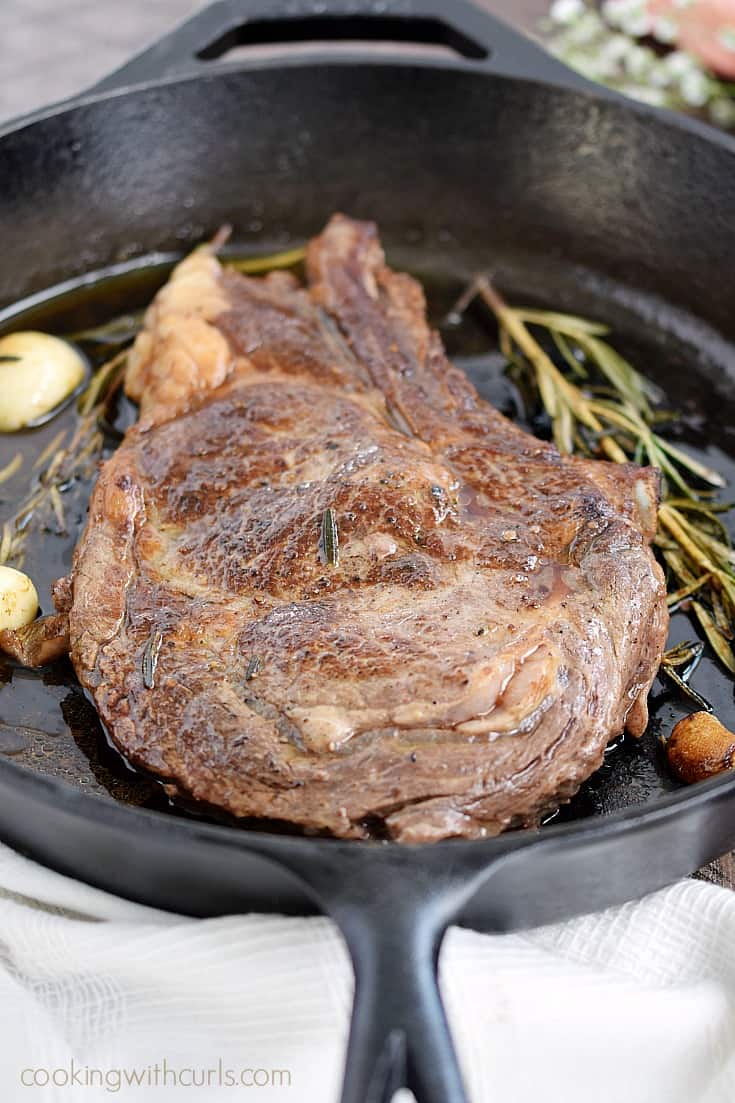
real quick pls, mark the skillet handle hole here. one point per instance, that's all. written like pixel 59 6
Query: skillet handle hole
pixel 357 30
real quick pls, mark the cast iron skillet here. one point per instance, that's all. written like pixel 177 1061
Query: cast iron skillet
pixel 487 150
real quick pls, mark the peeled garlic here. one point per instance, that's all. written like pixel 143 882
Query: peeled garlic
pixel 37 372
pixel 18 599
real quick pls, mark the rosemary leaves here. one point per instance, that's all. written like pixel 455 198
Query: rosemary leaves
pixel 252 266
pixel 11 468
pixel 329 539
pixel 598 404
pixel 75 450
pixel 678 664
pixel 59 465
pixel 149 662
pixel 254 668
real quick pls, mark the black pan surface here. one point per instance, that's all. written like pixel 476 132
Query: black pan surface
pixel 490 156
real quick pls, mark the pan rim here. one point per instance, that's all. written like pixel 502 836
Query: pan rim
pixel 92 807
pixel 347 59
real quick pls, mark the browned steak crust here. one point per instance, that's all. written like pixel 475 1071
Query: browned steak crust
pixel 496 614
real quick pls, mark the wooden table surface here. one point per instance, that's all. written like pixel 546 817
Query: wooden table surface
pixel 50 50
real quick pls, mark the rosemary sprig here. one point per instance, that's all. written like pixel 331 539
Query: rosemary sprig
pixel 149 662
pixel 717 639
pixel 102 383
pixel 120 331
pixel 254 265
pixel 677 597
pixel 563 400
pixel 617 421
pixel 254 668
pixel 59 465
pixel 11 468
pixel 686 655
pixel 51 448
pixel 329 539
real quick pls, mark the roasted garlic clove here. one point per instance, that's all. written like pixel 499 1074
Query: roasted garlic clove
pixel 37 372
pixel 700 747
pixel 18 599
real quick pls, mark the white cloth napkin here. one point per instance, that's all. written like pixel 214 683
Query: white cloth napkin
pixel 635 1005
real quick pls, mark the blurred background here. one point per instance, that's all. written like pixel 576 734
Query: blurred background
pixel 52 48
pixel 676 53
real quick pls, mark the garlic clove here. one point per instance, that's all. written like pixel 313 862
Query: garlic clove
pixel 18 599
pixel 37 372
pixel 700 747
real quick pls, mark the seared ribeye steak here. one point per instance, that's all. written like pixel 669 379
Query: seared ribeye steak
pixel 492 614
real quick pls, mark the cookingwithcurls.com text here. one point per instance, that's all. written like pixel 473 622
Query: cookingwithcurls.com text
pixel 160 1074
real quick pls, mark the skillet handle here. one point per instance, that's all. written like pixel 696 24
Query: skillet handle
pixel 393 912
pixel 399 1035
pixel 478 39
